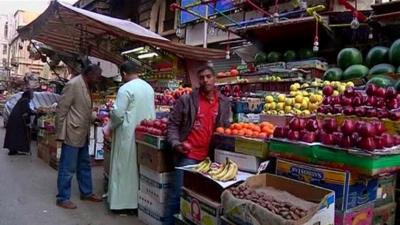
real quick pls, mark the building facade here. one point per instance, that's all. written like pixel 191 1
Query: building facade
pixel 19 56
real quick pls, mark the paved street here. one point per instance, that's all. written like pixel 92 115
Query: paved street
pixel 28 190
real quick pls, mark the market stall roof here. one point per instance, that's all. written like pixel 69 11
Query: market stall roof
pixel 71 29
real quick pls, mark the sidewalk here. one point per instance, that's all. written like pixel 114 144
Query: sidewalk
pixel 28 190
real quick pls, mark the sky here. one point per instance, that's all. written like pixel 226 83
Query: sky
pixel 10 6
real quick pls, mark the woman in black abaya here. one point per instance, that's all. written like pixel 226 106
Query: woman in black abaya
pixel 17 130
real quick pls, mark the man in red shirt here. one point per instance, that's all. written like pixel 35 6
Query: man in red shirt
pixel 194 119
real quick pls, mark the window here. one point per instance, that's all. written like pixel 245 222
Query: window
pixel 167 18
pixel 6 30
pixel 5 49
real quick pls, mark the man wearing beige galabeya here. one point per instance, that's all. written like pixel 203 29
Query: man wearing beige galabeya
pixel 74 118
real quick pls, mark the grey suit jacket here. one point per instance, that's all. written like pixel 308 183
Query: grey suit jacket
pixel 74 113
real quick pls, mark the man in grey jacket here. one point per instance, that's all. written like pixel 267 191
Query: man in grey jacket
pixel 73 121
pixel 193 120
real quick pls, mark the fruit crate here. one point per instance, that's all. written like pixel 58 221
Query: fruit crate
pixel 248 106
pixel 156 142
pixel 335 158
pixel 254 147
pixel 223 142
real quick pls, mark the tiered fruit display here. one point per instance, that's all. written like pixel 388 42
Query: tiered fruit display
pixel 221 172
pixel 284 209
pixel 373 102
pixel 169 97
pixel 231 73
pixel 301 103
pixel 350 134
pixel 156 127
pixel 260 131
pixel 230 91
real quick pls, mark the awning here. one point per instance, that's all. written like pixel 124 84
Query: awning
pixel 71 29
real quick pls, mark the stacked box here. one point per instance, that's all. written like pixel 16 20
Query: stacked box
pixel 157 181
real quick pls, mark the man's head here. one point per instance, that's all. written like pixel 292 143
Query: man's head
pixel 129 68
pixel 207 79
pixel 92 73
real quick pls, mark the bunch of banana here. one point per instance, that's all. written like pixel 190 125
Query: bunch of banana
pixel 226 172
pixel 204 166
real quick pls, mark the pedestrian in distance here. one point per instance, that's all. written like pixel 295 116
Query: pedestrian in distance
pixel 194 119
pixel 134 103
pixel 17 139
pixel 74 118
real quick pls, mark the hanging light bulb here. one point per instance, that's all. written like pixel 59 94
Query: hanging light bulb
pixel 371 34
pixel 354 23
pixel 179 32
pixel 316 45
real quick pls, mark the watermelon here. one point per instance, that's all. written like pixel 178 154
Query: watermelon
pixel 260 58
pixel 354 72
pixel 397 85
pixel 394 53
pixel 381 69
pixel 381 81
pixel 289 56
pixel 348 57
pixel 376 55
pixel 305 53
pixel 333 74
pixel 273 57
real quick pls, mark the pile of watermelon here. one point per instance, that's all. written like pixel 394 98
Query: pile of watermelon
pixel 380 63
pixel 288 56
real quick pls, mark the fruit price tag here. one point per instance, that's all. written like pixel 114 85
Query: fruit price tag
pixel 263 166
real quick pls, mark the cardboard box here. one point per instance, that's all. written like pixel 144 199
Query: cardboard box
pixel 200 210
pixel 226 221
pixel 386 190
pixel 361 215
pixel 167 209
pixel 223 142
pixel 258 148
pixel 385 214
pixel 246 163
pixel 161 192
pixel 245 212
pixel 179 220
pixel 202 185
pixel 151 140
pixel 160 161
pixel 351 190
pixel 246 118
pixel 161 178
pixel 43 152
pixel 150 218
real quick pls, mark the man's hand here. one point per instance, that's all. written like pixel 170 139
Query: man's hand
pixel 181 150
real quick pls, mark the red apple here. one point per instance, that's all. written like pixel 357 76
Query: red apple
pixel 312 125
pixel 330 125
pixel 394 115
pixel 382 113
pixel 379 142
pixel 391 92
pixel 293 135
pixel 360 111
pixel 296 124
pixel 367 130
pixel 367 143
pixel 281 132
pixel 327 100
pixel 157 124
pixel 346 142
pixel 328 90
pixel 371 101
pixel 380 103
pixel 325 109
pixel 186 146
pixel 396 139
pixel 345 101
pixel 164 120
pixel 337 136
pixel 387 140
pixel 348 127
pixel 348 110
pixel 371 89
pixel 380 92
pixel 379 128
pixel 356 102
pixel 337 109
pixel 371 112
pixel 355 137
pixel 308 137
pixel 335 100
pixel 349 92
pixel 327 139
pixel 393 103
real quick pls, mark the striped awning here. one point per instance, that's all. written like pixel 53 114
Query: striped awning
pixel 70 29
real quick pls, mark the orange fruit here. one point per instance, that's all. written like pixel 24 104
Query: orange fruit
pixel 241 132
pixel 256 128
pixel 228 131
pixel 262 135
pixel 220 130
pixel 249 133
pixel 256 133
pixel 235 132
